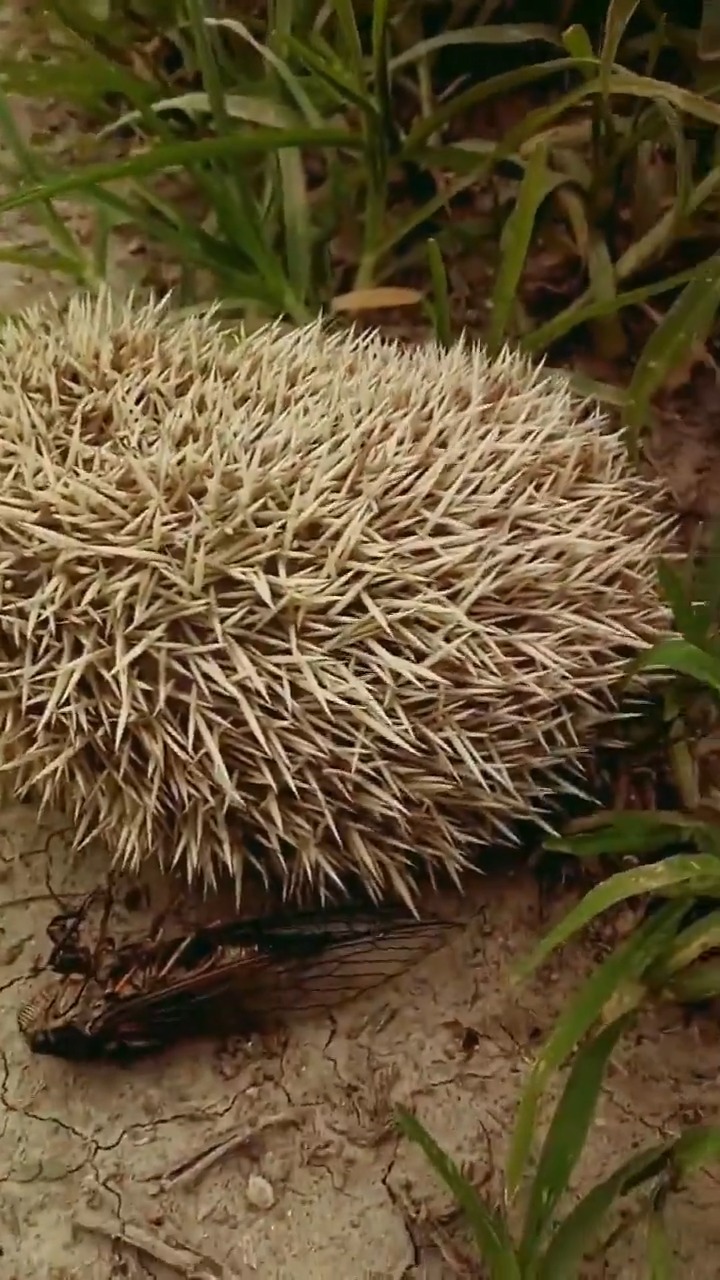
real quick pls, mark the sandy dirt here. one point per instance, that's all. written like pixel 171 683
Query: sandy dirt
pixel 110 1172
pixel 314 1181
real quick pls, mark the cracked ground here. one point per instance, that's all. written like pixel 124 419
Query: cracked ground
pixel 278 1158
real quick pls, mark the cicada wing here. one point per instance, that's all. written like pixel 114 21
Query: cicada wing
pixel 243 990
pixel 184 1004
pixel 308 934
pixel 307 930
pixel 296 977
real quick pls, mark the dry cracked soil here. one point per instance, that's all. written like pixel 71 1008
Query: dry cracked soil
pixel 280 1159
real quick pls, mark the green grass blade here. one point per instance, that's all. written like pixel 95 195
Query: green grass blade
pixel 687 322
pixel 381 73
pixel 625 833
pixel 684 658
pixel 636 257
pixel 164 222
pixel 578 43
pixel 488 1225
pixel 42 260
pixel 501 33
pixel 706 578
pixel 591 389
pixel 682 167
pixel 695 1148
pixel 692 619
pixel 84 77
pixel 251 110
pixel 693 888
pixel 98 11
pixel 205 53
pixel 692 942
pixel 610 341
pixel 283 72
pixel 684 100
pixel 490 157
pixel 709 34
pixel 580 1230
pixel 28 161
pixel 659 1249
pixel 334 77
pixel 497 86
pixel 345 11
pixel 382 140
pixel 638 881
pixel 645 251
pixel 440 306
pixel 699 983
pixel 619 13
pixel 619 970
pixel 296 222
pixel 180 155
pixel 100 244
pixel 586 308
pixel 537 183
pixel 566 1137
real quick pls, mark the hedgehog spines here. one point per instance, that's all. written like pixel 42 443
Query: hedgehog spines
pixel 308 600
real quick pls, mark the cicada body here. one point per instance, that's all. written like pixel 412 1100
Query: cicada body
pixel 235 976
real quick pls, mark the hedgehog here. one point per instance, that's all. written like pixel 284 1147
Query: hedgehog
pixel 306 601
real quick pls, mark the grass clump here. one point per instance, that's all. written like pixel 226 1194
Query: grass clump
pixel 538 1231
pixel 324 143
pixel 674 855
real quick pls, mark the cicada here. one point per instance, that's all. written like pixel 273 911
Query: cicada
pixel 229 977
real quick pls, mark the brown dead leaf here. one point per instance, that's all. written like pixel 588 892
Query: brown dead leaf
pixel 379 298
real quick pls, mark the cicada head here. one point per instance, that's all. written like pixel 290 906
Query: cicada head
pixel 58 1020
pixel 79 1019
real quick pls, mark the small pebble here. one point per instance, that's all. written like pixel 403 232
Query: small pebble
pixel 259 1192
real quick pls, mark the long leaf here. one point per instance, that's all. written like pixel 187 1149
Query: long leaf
pixel 489 33
pixel 381 73
pixel 692 619
pixel 440 306
pixel 698 983
pixel 586 308
pixel 621 969
pixel 638 881
pixel 619 13
pixel 488 1226
pixel 691 943
pixel 578 1233
pixel 285 76
pixel 625 833
pixel 178 155
pixel 687 321
pixel 353 50
pixel 297 222
pixel 659 1249
pixel 517 233
pixel 566 1136
pixel 683 657
pixel 496 86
